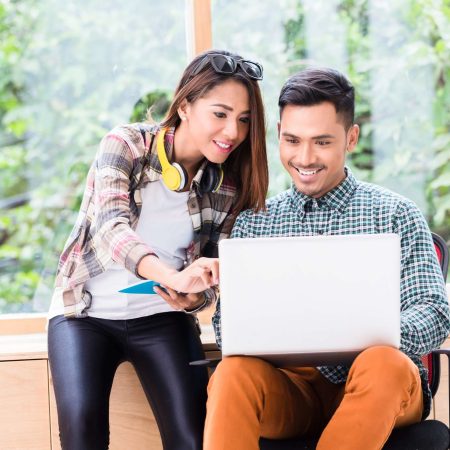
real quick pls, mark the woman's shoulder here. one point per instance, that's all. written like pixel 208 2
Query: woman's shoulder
pixel 134 136
pixel 133 131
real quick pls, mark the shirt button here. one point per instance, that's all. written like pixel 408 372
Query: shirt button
pixel 320 232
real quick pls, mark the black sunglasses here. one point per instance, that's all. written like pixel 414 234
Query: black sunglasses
pixel 228 65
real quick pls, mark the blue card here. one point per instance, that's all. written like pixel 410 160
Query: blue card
pixel 146 287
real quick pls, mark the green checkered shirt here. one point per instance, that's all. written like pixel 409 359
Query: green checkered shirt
pixel 355 207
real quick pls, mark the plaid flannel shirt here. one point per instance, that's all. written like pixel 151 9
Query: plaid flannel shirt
pixel 356 207
pixel 105 228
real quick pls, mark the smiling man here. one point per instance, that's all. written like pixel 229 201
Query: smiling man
pixel 313 143
pixel 351 408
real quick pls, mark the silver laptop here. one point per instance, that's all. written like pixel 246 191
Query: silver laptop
pixel 309 301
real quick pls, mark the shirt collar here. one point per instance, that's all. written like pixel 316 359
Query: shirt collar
pixel 337 198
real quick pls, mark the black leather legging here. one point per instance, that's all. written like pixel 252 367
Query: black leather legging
pixel 84 355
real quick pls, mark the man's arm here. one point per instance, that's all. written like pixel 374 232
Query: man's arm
pixel 425 314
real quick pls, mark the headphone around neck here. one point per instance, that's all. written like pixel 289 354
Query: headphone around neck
pixel 175 177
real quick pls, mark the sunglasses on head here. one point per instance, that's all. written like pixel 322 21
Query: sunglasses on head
pixel 227 65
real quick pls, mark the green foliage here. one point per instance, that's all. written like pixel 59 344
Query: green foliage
pixel 14 19
pixel 295 34
pixel 156 102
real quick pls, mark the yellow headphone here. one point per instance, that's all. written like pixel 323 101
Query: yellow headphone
pixel 175 176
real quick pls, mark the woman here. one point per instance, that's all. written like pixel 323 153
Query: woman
pixel 138 223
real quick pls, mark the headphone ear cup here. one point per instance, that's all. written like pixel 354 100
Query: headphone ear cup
pixel 175 177
pixel 183 176
pixel 211 179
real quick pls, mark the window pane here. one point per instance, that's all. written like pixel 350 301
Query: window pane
pixel 73 69
pixel 396 53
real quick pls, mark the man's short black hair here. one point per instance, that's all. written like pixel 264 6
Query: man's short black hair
pixel 317 85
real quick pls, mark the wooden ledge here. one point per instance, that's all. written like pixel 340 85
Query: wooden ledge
pixel 29 323
pixel 16 347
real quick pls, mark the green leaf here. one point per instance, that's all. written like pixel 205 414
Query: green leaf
pixel 440 181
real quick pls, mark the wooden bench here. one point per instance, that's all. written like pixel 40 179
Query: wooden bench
pixel 28 411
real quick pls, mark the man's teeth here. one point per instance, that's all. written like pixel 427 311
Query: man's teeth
pixel 308 172
pixel 222 145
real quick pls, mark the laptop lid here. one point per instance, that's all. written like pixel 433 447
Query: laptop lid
pixel 309 300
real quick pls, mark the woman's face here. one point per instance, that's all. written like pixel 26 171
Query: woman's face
pixel 217 123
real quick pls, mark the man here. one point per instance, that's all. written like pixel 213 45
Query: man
pixel 352 408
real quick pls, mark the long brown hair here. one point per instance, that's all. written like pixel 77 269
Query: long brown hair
pixel 247 165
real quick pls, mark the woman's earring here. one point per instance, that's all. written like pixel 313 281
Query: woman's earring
pixel 183 117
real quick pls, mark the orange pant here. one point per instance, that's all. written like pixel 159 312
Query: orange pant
pixel 249 398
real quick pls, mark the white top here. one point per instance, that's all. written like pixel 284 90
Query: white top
pixel 166 226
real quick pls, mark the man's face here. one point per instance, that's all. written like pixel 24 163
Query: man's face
pixel 313 143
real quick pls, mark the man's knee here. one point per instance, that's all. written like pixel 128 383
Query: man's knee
pixel 386 365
